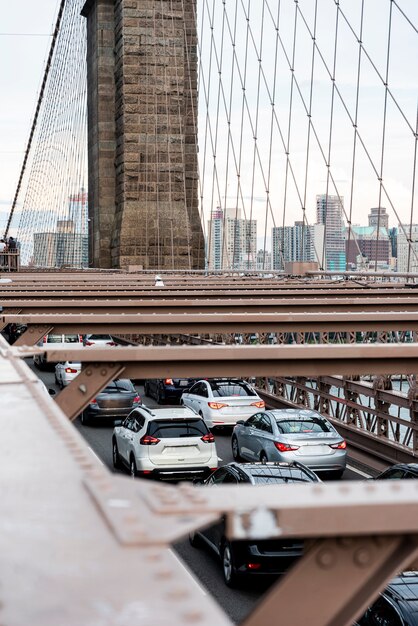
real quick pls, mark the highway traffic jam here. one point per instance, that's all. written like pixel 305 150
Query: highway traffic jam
pixel 219 431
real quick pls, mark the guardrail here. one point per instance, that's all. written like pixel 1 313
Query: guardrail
pixel 10 261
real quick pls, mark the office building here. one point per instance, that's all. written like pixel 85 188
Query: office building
pixel 329 213
pixel 407 252
pixel 298 243
pixel 232 241
pixel 373 250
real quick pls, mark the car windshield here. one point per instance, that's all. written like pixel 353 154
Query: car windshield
pixel 290 475
pixel 169 429
pixel 119 385
pixel 63 339
pixel 222 389
pixel 307 425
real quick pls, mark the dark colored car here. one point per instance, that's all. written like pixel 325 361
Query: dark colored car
pixel 115 402
pixel 167 389
pixel 397 605
pixel 399 471
pixel 258 557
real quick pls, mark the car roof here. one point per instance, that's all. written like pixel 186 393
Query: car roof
pixel 272 469
pixel 174 413
pixel 412 467
pixel 403 592
pixel 294 413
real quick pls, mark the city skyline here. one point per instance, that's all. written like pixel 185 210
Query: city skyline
pixel 21 89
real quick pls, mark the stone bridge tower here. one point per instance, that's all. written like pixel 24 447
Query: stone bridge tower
pixel 142 118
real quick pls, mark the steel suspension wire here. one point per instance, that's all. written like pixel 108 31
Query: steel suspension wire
pixel 52 230
pixel 36 116
pixel 259 79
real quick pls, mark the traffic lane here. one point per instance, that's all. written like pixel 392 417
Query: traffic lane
pixel 206 567
pixel 99 437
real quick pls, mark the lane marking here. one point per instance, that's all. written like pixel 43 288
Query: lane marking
pixel 357 471
pixel 188 572
pixel 94 454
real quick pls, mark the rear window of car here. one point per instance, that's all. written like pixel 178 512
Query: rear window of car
pixel 119 385
pixel 63 339
pixel 291 475
pixel 169 429
pixel 309 425
pixel 226 389
pixel 99 337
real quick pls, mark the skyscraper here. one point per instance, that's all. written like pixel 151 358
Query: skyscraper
pixel 329 212
pixel 232 241
pixel 296 243
pixel 379 217
pixel 407 251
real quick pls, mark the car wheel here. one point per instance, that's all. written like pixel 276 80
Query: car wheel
pixel 84 419
pixel 115 455
pixel 235 449
pixel 228 567
pixel 263 457
pixel 57 382
pixel 195 540
pixel 338 475
pixel 132 467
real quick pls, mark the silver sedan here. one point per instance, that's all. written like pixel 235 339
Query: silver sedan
pixel 291 435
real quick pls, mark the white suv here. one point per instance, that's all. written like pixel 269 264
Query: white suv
pixel 164 443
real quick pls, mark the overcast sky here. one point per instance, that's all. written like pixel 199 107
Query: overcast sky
pixel 22 64
pixel 23 61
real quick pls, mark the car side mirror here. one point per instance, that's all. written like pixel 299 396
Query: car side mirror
pixel 241 422
pixel 118 422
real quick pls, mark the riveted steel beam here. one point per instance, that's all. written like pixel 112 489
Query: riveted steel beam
pixel 353 568
pixel 247 361
pixel 216 323
pixel 92 379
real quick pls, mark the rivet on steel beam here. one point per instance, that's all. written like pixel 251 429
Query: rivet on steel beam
pixel 362 557
pixel 326 559
pixel 178 594
pixel 88 372
pixel 193 616
pixel 164 573
pixel 103 371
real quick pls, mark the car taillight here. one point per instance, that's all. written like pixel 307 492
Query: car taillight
pixel 110 343
pixel 94 401
pixel 44 339
pixel 137 399
pixel 216 405
pixel 260 404
pixel 89 343
pixel 147 440
pixel 69 370
pixel 285 447
pixel 208 438
pixel 168 381
pixel 341 445
pixel 253 566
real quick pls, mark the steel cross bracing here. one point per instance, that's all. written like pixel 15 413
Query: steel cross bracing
pixel 209 323
pixel 70 536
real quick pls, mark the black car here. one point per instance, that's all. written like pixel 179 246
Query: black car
pixel 397 605
pixel 167 389
pixel 399 471
pixel 260 557
pixel 115 402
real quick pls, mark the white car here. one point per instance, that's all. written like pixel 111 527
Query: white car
pixel 222 401
pixel 164 443
pixel 40 361
pixel 66 372
pixel 99 340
